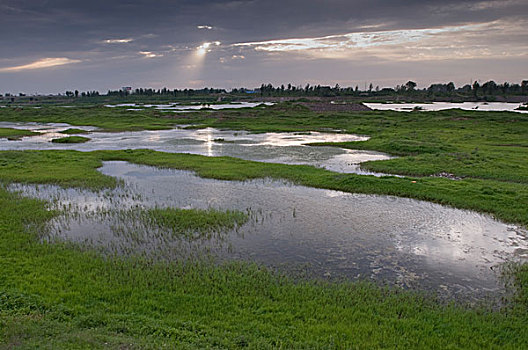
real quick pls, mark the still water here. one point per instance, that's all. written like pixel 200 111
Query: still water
pixel 438 106
pixel 175 106
pixel 315 232
pixel 285 148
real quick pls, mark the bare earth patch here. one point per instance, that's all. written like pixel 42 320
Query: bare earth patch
pixel 335 107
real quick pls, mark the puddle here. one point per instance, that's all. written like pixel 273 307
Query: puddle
pixel 316 232
pixel 438 106
pixel 176 106
pixel 285 148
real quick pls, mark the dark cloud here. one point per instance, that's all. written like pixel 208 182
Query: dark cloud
pixel 168 30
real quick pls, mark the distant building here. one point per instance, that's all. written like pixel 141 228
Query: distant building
pixel 127 88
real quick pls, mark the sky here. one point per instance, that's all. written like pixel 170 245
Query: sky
pixel 49 46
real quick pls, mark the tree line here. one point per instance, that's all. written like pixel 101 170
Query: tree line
pixel 475 90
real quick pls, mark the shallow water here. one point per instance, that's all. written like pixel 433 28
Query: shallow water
pixel 317 232
pixel 177 107
pixel 438 106
pixel 285 148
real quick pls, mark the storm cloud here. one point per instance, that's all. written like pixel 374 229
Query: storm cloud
pixel 50 46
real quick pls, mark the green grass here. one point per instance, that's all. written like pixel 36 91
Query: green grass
pixel 15 134
pixel 56 296
pixel 107 119
pixel 73 131
pixel 59 296
pixel 71 139
pixel 484 145
pixel 475 144
pixel 192 221
pixel 507 201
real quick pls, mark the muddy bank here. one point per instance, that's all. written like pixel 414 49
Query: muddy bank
pixel 332 106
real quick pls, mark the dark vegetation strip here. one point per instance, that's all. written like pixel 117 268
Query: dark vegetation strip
pixel 73 131
pixel 71 139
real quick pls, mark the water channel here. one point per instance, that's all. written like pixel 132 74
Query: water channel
pixel 315 232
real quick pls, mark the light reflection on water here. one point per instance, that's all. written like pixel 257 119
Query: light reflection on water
pixel 286 148
pixel 323 233
pixel 178 107
pixel 438 106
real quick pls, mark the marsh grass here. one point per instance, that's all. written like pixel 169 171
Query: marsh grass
pixel 505 200
pixel 71 139
pixel 61 296
pixel 58 296
pixel 15 134
pixel 194 220
pixel 73 131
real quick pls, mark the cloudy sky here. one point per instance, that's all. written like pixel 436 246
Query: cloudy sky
pixel 48 46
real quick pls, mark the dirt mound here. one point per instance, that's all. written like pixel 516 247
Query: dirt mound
pixel 336 107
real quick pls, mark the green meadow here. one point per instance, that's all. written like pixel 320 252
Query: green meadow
pixel 15 134
pixel 63 295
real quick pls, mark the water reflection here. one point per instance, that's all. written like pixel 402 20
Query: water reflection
pixel 178 107
pixel 438 106
pixel 320 232
pixel 286 148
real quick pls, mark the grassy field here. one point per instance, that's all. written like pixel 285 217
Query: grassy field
pixel 107 119
pixel 505 200
pixel 191 221
pixel 57 296
pixel 484 145
pixel 73 131
pixel 61 296
pixel 15 134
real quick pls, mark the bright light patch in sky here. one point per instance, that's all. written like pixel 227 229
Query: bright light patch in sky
pixel 206 47
pixel 204 27
pixel 353 40
pixel 149 54
pixel 118 41
pixel 40 64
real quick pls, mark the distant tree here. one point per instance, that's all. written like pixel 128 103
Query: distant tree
pixel 505 87
pixel 489 87
pixel 476 87
pixel 466 88
pixel 450 87
pixel 515 89
pixel 76 93
pixel 410 85
pixel 524 87
pixel 370 87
